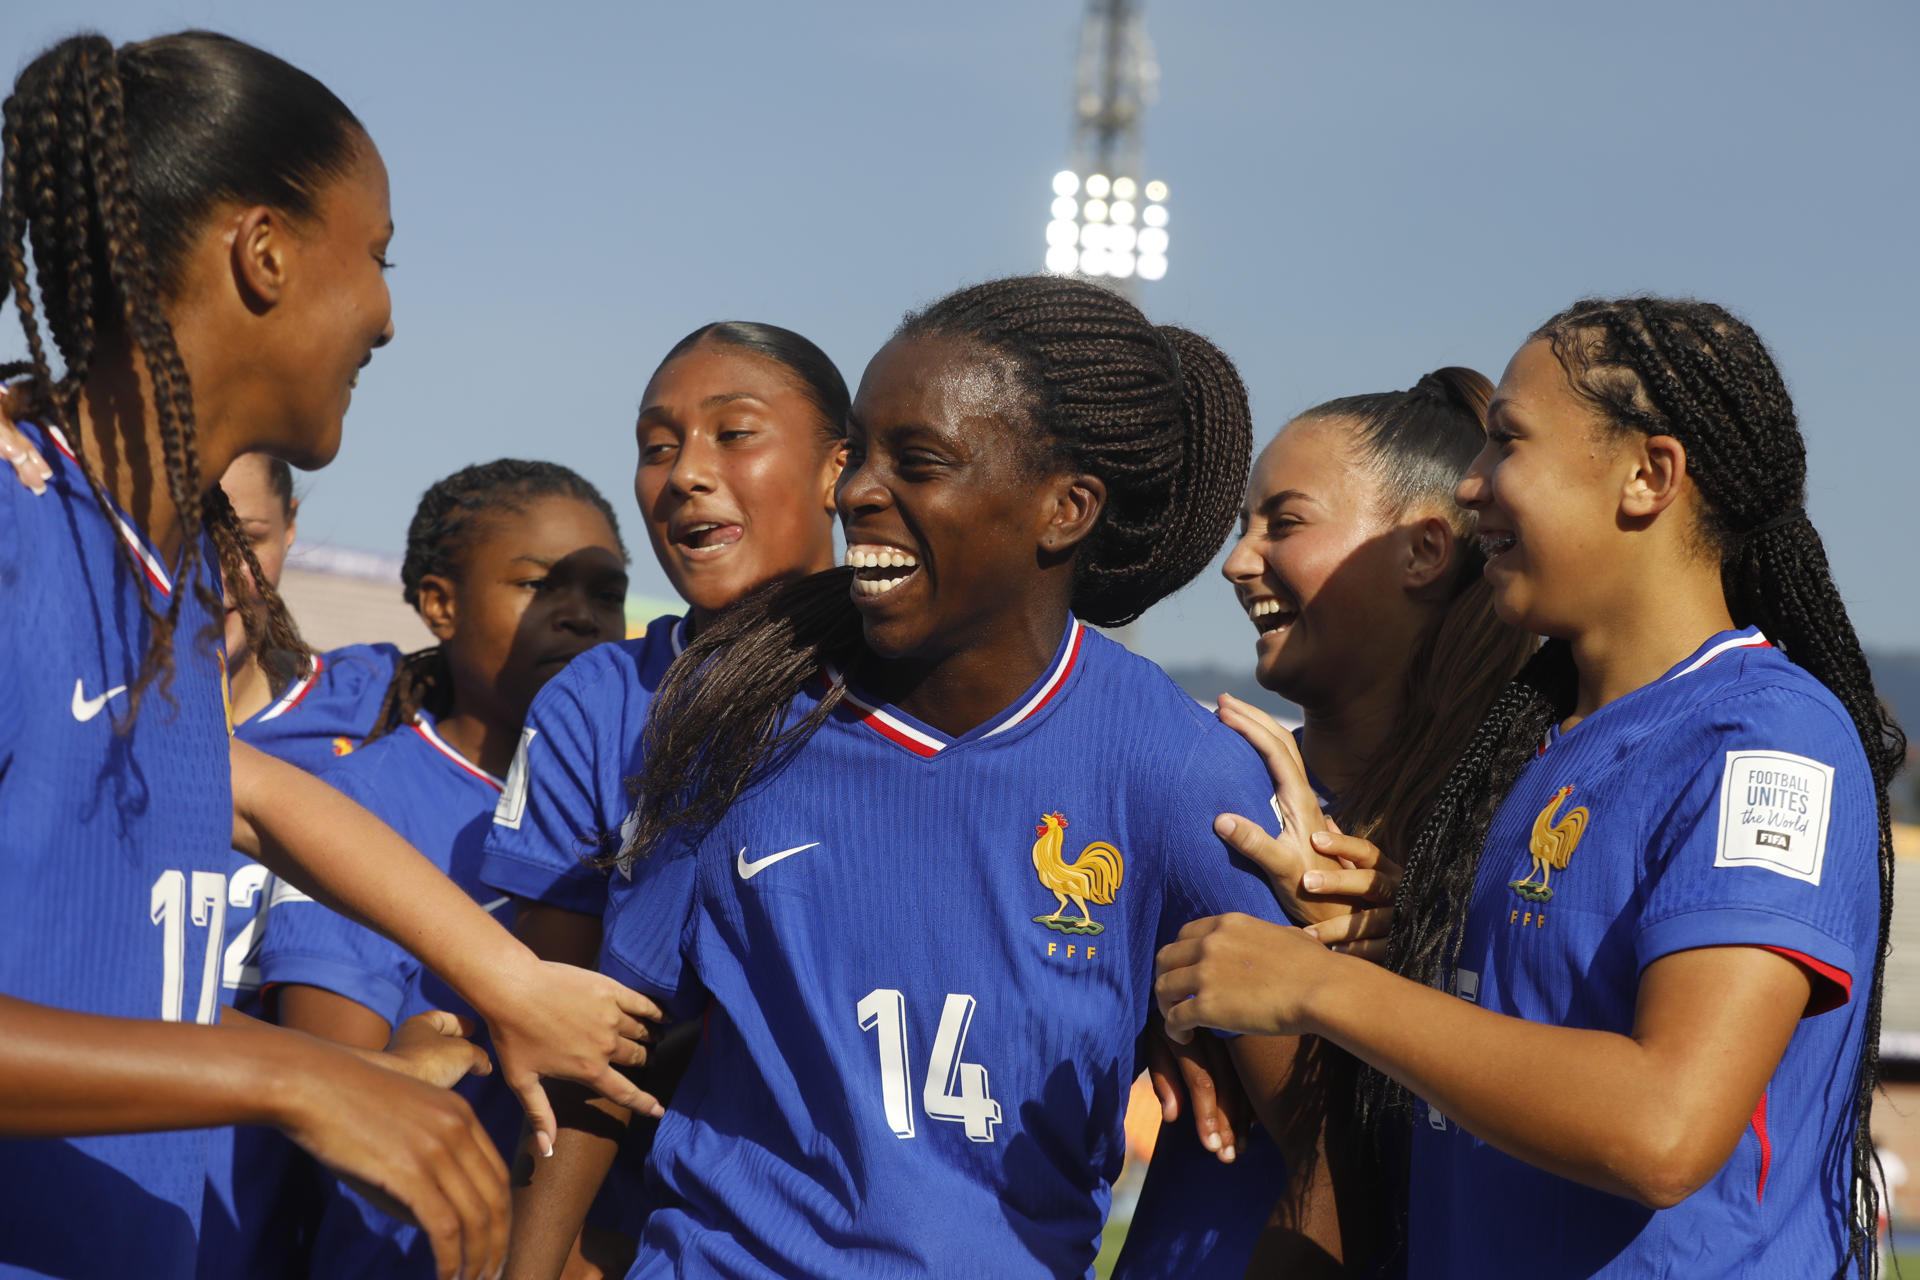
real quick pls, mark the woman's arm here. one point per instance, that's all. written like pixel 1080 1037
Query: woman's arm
pixel 67 1074
pixel 546 1019
pixel 1652 1115
pixel 551 1197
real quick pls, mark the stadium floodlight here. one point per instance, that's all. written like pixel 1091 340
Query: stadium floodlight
pixel 1098 237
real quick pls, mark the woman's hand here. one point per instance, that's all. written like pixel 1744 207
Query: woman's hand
pixel 557 1020
pixel 1302 846
pixel 17 450
pixel 436 1048
pixel 414 1145
pixel 1238 973
pixel 1200 1074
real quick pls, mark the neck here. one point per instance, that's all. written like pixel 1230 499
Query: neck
pixel 118 434
pixel 248 690
pixel 962 690
pixel 1635 644
pixel 486 741
pixel 1342 739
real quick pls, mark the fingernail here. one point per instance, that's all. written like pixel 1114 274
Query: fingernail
pixel 1312 931
pixel 1312 881
pixel 1213 1142
pixel 1321 839
pixel 1227 1155
pixel 1223 826
pixel 546 1147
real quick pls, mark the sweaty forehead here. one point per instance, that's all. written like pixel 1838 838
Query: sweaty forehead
pixel 937 382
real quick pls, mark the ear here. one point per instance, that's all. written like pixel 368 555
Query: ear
pixel 830 474
pixel 438 606
pixel 257 251
pixel 1073 508
pixel 1429 551
pixel 1658 471
pixel 293 527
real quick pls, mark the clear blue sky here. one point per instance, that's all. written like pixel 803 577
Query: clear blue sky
pixel 1360 193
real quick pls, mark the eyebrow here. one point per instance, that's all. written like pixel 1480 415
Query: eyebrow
pixel 728 397
pixel 1273 501
pixel 539 561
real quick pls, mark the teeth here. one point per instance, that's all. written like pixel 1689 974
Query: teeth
pixel 877 586
pixel 1493 544
pixel 1261 608
pixel 880 557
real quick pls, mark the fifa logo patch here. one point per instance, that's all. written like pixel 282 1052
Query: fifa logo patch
pixel 1093 876
pixel 1551 845
pixel 343 746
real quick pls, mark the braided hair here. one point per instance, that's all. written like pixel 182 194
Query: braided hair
pixel 451 517
pixel 113 160
pixel 1692 371
pixel 1156 412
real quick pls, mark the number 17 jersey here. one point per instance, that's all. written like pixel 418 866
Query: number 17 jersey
pixel 922 963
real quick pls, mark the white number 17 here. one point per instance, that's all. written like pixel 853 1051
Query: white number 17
pixel 954 1090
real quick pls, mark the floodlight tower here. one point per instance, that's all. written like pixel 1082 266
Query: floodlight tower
pixel 1107 223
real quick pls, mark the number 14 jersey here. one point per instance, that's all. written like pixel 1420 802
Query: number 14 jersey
pixel 922 963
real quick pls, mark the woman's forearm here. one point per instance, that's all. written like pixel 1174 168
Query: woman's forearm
pixel 551 1195
pixel 330 848
pixel 1649 1116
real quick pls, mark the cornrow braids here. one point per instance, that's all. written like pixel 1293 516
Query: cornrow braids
pixel 1693 371
pixel 112 159
pixel 1158 413
pixel 450 518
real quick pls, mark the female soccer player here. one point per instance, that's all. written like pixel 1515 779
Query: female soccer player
pixel 741 434
pixel 905 835
pixel 517 568
pixel 1638 952
pixel 1361 577
pixel 208 229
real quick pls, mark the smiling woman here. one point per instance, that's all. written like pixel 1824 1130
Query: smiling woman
pixel 907 833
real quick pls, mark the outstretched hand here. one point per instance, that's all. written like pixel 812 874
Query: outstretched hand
pixel 1238 973
pixel 550 1019
pixel 1199 1075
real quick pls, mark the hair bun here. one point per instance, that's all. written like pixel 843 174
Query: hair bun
pixel 1467 389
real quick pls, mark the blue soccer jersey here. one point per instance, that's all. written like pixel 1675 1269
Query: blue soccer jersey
pixel 259 1187
pixel 1197 1216
pixel 566 797
pixel 113 858
pixel 440 803
pixel 923 963
pixel 1728 803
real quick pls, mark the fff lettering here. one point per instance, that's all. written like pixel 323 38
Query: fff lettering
pixel 1528 919
pixel 1073 950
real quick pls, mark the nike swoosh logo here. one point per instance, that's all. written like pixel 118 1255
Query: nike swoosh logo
pixel 495 905
pixel 85 708
pixel 748 870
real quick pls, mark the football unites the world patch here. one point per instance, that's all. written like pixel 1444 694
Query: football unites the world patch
pixel 1774 807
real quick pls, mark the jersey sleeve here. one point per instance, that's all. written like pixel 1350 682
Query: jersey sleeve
pixel 1774 842
pixel 550 818
pixel 14 594
pixel 649 920
pixel 1204 877
pixel 315 946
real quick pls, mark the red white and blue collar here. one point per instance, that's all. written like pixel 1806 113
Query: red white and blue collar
pixel 926 741
pixel 424 727
pixel 678 636
pixel 295 692
pixel 1747 639
pixel 136 541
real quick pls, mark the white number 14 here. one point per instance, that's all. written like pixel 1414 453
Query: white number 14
pixel 954 1090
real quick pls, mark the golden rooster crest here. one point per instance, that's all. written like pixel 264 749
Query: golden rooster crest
pixel 1093 876
pixel 1551 844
